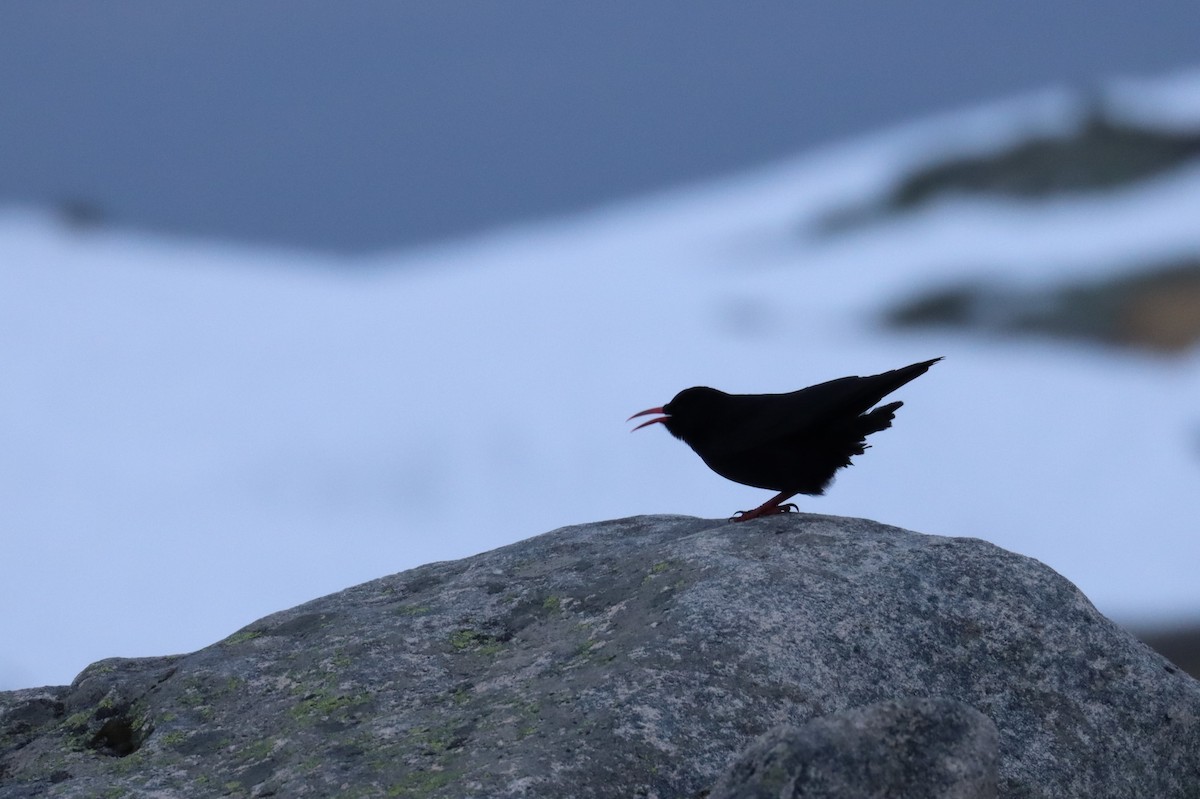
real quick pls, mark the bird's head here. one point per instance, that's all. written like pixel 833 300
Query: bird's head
pixel 686 415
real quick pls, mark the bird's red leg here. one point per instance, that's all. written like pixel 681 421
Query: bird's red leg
pixel 770 507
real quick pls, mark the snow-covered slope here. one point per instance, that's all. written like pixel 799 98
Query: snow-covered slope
pixel 192 436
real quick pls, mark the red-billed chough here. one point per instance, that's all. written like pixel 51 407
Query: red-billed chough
pixel 790 443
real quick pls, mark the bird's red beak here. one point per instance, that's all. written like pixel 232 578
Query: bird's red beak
pixel 652 421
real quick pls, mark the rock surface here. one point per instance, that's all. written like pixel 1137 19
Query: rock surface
pixel 900 749
pixel 628 658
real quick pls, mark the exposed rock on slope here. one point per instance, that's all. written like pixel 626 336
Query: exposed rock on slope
pixel 1156 309
pixel 1101 152
pixel 627 658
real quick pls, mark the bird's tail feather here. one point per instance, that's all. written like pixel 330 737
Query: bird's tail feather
pixel 863 426
pixel 906 374
pixel 878 419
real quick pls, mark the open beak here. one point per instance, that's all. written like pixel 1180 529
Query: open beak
pixel 652 421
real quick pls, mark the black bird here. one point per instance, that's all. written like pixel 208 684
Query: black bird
pixel 790 443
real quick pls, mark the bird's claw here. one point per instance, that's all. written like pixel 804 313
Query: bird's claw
pixel 747 515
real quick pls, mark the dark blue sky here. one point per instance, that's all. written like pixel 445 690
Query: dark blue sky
pixel 352 126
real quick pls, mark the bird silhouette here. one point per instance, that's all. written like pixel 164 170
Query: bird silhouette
pixel 791 443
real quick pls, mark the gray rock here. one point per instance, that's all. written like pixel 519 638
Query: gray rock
pixel 900 749
pixel 1103 152
pixel 626 658
pixel 1154 306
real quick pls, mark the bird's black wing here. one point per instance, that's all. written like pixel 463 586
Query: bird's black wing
pixel 758 420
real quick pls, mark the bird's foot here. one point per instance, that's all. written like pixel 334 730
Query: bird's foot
pixel 765 510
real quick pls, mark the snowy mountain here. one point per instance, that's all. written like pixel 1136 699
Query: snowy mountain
pixel 193 435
